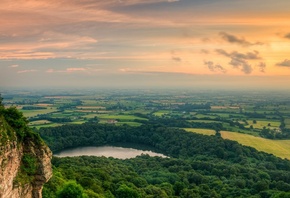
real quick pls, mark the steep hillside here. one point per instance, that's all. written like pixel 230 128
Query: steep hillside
pixel 24 158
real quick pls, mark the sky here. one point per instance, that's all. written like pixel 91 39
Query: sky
pixel 145 43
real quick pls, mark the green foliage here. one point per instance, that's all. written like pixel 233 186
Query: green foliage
pixel 16 120
pixel 29 164
pixel 126 192
pixel 71 190
pixel 199 166
pixel 28 168
pixel 18 123
pixel 1 100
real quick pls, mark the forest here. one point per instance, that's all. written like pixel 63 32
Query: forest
pixel 198 165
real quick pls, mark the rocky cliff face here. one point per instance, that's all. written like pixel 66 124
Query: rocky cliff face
pixel 24 165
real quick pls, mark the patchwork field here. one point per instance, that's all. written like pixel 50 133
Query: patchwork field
pixel 280 148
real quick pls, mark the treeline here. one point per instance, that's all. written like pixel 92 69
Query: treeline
pixel 32 108
pixel 49 118
pixel 181 123
pixel 192 107
pixel 199 166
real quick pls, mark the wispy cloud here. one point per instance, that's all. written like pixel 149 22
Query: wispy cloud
pixel 240 41
pixel 240 60
pixel 215 67
pixel 76 69
pixel 285 63
pixel 204 51
pixel 175 57
pixel 287 36
pixel 262 67
pixel 26 71
pixel 14 66
pixel 236 55
pixel 67 70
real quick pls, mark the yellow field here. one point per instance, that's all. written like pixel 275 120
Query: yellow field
pixel 201 131
pixel 280 148
pixel 263 123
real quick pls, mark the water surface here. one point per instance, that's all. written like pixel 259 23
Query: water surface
pixel 106 151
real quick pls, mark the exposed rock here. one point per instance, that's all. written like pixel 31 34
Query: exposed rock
pixel 14 181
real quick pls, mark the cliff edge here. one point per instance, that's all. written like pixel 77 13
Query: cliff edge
pixel 24 158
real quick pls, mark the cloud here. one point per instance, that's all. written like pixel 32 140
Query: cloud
pixel 75 69
pixel 67 70
pixel 240 41
pixel 287 36
pixel 215 68
pixel 262 67
pixel 240 60
pixel 285 63
pixel 14 66
pixel 204 51
pixel 177 59
pixel 26 71
pixel 236 55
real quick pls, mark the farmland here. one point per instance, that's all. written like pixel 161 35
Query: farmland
pixel 280 148
pixel 256 119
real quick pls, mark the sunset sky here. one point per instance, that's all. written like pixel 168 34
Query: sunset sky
pixel 146 43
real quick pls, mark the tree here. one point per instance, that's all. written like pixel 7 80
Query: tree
pixel 126 192
pixel 1 100
pixel 71 190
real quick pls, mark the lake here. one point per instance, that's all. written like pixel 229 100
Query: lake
pixel 106 151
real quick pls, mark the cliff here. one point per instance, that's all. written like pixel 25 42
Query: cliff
pixel 24 158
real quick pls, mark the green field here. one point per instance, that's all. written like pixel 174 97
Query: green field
pixel 263 123
pixel 32 113
pixel 280 148
pixel 46 125
pixel 161 113
pixel 205 121
pixel 287 123
pixel 120 117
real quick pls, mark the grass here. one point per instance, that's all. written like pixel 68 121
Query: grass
pixel 201 131
pixel 161 113
pixel 120 117
pixel 32 113
pixel 205 121
pixel 264 123
pixel 287 122
pixel 47 125
pixel 279 148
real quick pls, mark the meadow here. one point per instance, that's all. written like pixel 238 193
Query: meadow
pixel 279 148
